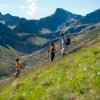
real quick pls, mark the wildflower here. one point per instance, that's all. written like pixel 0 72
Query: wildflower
pixel 84 69
pixel 98 73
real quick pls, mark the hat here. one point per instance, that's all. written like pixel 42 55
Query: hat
pixel 17 59
pixel 50 42
pixel 61 34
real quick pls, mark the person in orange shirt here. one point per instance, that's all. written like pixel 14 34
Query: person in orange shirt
pixel 18 67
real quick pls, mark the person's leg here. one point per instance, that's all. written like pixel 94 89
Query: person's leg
pixel 17 73
pixel 52 57
pixel 62 51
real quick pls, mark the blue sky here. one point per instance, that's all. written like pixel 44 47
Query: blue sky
pixel 35 9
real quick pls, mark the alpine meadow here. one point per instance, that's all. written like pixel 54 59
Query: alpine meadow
pixel 56 57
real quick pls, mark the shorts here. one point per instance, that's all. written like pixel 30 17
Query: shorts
pixel 17 73
pixel 63 50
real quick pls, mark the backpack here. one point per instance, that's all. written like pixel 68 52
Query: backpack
pixel 68 41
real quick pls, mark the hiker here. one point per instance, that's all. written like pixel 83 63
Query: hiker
pixel 18 67
pixel 64 43
pixel 52 51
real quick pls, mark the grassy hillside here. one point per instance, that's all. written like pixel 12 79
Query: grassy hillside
pixel 7 60
pixel 75 77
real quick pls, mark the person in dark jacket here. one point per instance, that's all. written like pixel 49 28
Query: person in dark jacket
pixel 52 51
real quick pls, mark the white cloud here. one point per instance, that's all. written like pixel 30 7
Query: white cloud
pixel 2 7
pixel 32 8
pixel 30 1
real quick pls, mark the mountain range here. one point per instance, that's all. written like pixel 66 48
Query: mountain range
pixel 21 33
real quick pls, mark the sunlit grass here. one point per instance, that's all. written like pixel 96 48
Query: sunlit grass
pixel 77 76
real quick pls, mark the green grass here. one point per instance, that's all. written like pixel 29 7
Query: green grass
pixel 75 77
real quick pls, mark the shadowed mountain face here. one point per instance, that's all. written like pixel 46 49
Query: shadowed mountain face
pixel 93 17
pixel 10 20
pixel 22 42
pixel 14 40
pixel 59 17
pixel 28 27
pixel 7 36
pixel 51 22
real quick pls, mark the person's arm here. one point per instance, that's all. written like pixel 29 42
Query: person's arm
pixel 48 50
pixel 16 66
pixel 54 49
pixel 21 66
